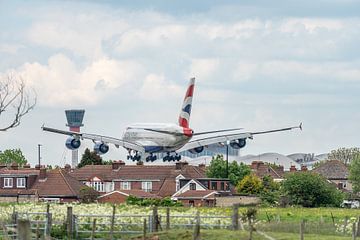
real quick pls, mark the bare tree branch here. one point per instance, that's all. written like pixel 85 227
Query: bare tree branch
pixel 16 100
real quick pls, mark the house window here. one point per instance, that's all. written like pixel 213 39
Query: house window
pixel 213 185
pixel 222 186
pixel 125 185
pixel 192 186
pixel 21 182
pixel 8 182
pixel 146 186
pixel 98 186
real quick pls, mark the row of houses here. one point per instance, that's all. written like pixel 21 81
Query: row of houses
pixel 182 182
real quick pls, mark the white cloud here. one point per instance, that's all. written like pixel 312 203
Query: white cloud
pixel 155 87
pixel 60 82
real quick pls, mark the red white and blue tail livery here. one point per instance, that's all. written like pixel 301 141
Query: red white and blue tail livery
pixel 142 140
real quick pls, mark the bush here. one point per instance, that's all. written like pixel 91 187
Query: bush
pixel 311 190
pixel 250 184
pixel 88 194
pixel 165 202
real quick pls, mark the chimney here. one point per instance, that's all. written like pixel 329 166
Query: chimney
pixel 67 168
pixel 42 174
pixel 14 166
pixel 180 165
pixel 26 165
pixel 139 163
pixel 117 164
pixel 202 166
pixel 256 164
pixel 37 167
pixel 293 168
pixel 304 168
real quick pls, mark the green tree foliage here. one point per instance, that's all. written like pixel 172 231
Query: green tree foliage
pixel 13 155
pixel 355 174
pixel 88 194
pixel 270 192
pixel 346 155
pixel 311 190
pixel 217 169
pixel 250 184
pixel 90 158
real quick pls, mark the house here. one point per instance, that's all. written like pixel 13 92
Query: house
pixel 119 180
pixel 120 196
pixel 34 184
pixel 262 169
pixel 336 172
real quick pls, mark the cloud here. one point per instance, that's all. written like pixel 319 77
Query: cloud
pixel 61 82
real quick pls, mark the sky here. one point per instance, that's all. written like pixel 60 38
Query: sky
pixel 258 65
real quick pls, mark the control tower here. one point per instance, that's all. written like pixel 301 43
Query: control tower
pixel 74 122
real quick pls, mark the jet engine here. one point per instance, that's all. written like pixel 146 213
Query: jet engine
pixel 72 143
pixel 101 148
pixel 197 150
pixel 239 143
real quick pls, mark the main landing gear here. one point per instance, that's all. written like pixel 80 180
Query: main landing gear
pixel 151 158
pixel 133 155
pixel 170 157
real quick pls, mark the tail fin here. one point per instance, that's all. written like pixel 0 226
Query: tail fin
pixel 184 117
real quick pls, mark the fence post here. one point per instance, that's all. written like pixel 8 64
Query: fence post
pixel 93 229
pixel 48 224
pixel 302 229
pixel 24 230
pixel 14 217
pixel 144 230
pixel 69 222
pixel 196 235
pixel 37 234
pixel 167 219
pixel 358 227
pixel 155 220
pixel 235 217
pixel 353 231
pixel 345 224
pixel 112 223
pixel 6 236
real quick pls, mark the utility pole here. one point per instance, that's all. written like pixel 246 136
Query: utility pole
pixel 227 160
pixel 39 154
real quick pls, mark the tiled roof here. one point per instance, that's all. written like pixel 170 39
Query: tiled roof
pixel 168 187
pixel 16 191
pixel 194 194
pixel 30 171
pixel 133 192
pixel 265 169
pixel 57 183
pixel 333 169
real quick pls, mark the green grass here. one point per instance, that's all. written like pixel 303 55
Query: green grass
pixel 229 235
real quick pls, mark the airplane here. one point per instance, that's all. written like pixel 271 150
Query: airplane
pixel 143 140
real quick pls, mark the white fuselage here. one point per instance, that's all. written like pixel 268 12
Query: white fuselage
pixel 157 137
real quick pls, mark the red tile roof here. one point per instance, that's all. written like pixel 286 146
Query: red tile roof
pixel 134 192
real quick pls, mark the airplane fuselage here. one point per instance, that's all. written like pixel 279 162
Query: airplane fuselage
pixel 158 137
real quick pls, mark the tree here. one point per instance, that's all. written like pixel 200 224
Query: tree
pixel 355 174
pixel 88 194
pixel 90 158
pixel 270 192
pixel 13 155
pixel 250 184
pixel 346 155
pixel 217 169
pixel 16 100
pixel 311 190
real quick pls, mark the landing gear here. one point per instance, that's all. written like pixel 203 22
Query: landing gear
pixel 151 158
pixel 170 157
pixel 134 156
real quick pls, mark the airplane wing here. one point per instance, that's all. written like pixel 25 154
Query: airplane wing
pixel 203 142
pixel 98 138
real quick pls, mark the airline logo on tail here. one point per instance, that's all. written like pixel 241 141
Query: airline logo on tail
pixel 184 117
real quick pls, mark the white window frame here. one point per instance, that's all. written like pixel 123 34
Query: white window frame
pixel 21 182
pixel 7 182
pixel 98 186
pixel 146 186
pixel 125 185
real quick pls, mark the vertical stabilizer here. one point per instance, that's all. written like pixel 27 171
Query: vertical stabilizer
pixel 184 117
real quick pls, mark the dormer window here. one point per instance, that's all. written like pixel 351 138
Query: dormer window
pixel 20 182
pixel 8 182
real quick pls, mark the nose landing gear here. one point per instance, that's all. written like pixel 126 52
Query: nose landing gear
pixel 169 157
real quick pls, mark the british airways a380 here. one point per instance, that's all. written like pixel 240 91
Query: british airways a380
pixel 143 140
